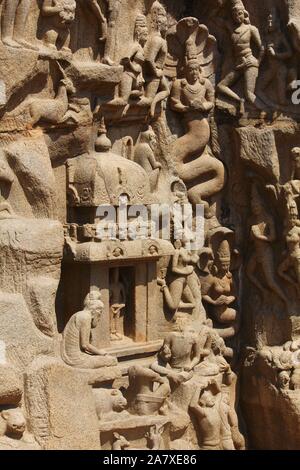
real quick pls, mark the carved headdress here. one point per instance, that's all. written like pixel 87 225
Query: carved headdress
pixel 224 253
pixel 237 5
pixel 158 9
pixel 158 15
pixel 141 21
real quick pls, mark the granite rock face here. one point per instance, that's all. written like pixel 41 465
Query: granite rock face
pixel 149 224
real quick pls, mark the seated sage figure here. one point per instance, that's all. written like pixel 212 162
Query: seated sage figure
pixel 76 347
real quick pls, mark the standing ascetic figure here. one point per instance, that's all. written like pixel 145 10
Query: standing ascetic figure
pixel 113 11
pixel 13 23
pixel 193 97
pixel 60 15
pixel 76 347
pixel 132 82
pixel 243 34
pixel 156 50
pixel 278 51
pixel 263 235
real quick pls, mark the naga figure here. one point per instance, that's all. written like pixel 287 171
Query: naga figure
pixel 193 97
pixel 263 234
pixel 156 50
pixel 246 64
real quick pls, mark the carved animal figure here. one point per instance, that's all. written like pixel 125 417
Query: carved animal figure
pixel 54 110
pixel 12 423
pixel 120 442
pixel 109 403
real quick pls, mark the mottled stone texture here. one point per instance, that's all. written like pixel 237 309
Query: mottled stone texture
pixel 117 330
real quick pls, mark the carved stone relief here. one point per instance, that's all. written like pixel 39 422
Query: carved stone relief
pixel 119 330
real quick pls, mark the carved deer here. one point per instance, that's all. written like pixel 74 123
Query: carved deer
pixel 53 110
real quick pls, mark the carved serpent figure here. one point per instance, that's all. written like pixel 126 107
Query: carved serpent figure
pixel 194 98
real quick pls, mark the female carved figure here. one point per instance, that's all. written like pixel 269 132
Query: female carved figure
pixel 246 64
pixel 156 50
pixel 263 234
pixel 76 348
pixel 218 288
pixel 193 97
pixel 132 81
pixel 183 262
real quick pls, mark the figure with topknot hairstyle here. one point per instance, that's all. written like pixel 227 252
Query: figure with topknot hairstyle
pixel 243 36
pixel 156 50
pixel 132 82
pixel 77 349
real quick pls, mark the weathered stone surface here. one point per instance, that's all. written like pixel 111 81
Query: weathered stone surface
pixel 61 407
pixel 11 387
pixel 149 224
